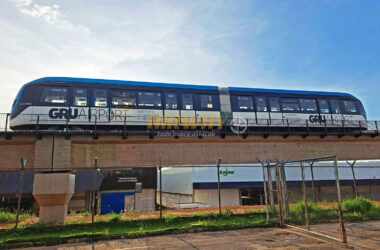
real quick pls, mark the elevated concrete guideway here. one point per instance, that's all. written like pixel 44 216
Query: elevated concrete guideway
pixel 61 153
pixel 76 152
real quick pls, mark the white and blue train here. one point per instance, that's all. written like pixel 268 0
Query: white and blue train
pixel 80 103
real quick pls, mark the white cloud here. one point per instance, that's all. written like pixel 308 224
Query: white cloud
pixel 148 41
pixel 50 13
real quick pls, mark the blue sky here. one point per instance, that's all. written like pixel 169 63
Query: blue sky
pixel 311 44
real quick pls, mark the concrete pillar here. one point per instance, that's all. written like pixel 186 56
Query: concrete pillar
pixel 53 153
pixel 53 192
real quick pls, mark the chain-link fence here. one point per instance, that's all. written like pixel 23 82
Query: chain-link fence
pixel 297 193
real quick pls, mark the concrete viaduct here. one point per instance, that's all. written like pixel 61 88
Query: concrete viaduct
pixel 112 151
pixel 53 189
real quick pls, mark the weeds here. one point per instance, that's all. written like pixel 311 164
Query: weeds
pixel 358 205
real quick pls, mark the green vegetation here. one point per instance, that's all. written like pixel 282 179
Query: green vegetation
pixel 359 205
pixel 356 209
pixel 316 213
pixel 360 209
pixel 117 226
pixel 9 217
pixel 44 235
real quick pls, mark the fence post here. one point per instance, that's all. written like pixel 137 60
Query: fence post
pixel 265 185
pixel 160 176
pixel 52 153
pixel 95 127
pixel 270 185
pixel 279 192
pixel 20 190
pixel 339 195
pixel 38 123
pixel 219 194
pixel 284 190
pixel 93 203
pixel 356 193
pixel 6 124
pixel 312 181
pixel 307 223
pixel 125 127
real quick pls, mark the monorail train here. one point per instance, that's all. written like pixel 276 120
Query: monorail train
pixel 61 102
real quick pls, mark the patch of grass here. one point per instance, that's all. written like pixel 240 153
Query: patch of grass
pixel 360 209
pixel 358 205
pixel 114 217
pixel 45 235
pixel 317 214
pixel 10 217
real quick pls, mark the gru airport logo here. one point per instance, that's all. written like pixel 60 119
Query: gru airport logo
pixel 63 113
pixel 317 119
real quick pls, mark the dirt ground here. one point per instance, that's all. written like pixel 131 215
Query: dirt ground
pixel 86 218
pixel 231 240
pixel 364 235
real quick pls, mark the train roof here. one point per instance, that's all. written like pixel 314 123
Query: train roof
pixel 242 90
pixel 233 90
pixel 121 83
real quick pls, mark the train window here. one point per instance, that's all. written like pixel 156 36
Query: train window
pixel 54 96
pixel 324 106
pixel 187 102
pixel 149 99
pixel 335 107
pixel 261 104
pixel 274 103
pixel 350 107
pixel 245 103
pixel 171 101
pixel 124 99
pixel 290 105
pixel 80 97
pixel 100 98
pixel 206 102
pixel 308 105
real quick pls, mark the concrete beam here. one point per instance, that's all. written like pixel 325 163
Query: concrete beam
pixel 140 151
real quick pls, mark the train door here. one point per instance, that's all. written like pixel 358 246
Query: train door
pixel 171 110
pixel 100 110
pixel 243 111
pixel 187 111
pixel 275 112
pixel 208 110
pixel 336 113
pixel 262 111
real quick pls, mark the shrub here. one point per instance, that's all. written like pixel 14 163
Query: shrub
pixel 114 217
pixel 359 205
pixel 316 213
pixel 7 217
pixel 228 212
pixel 299 208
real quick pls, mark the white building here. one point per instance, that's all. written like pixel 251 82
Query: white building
pixel 243 184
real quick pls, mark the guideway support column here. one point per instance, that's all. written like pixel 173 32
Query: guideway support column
pixel 53 192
